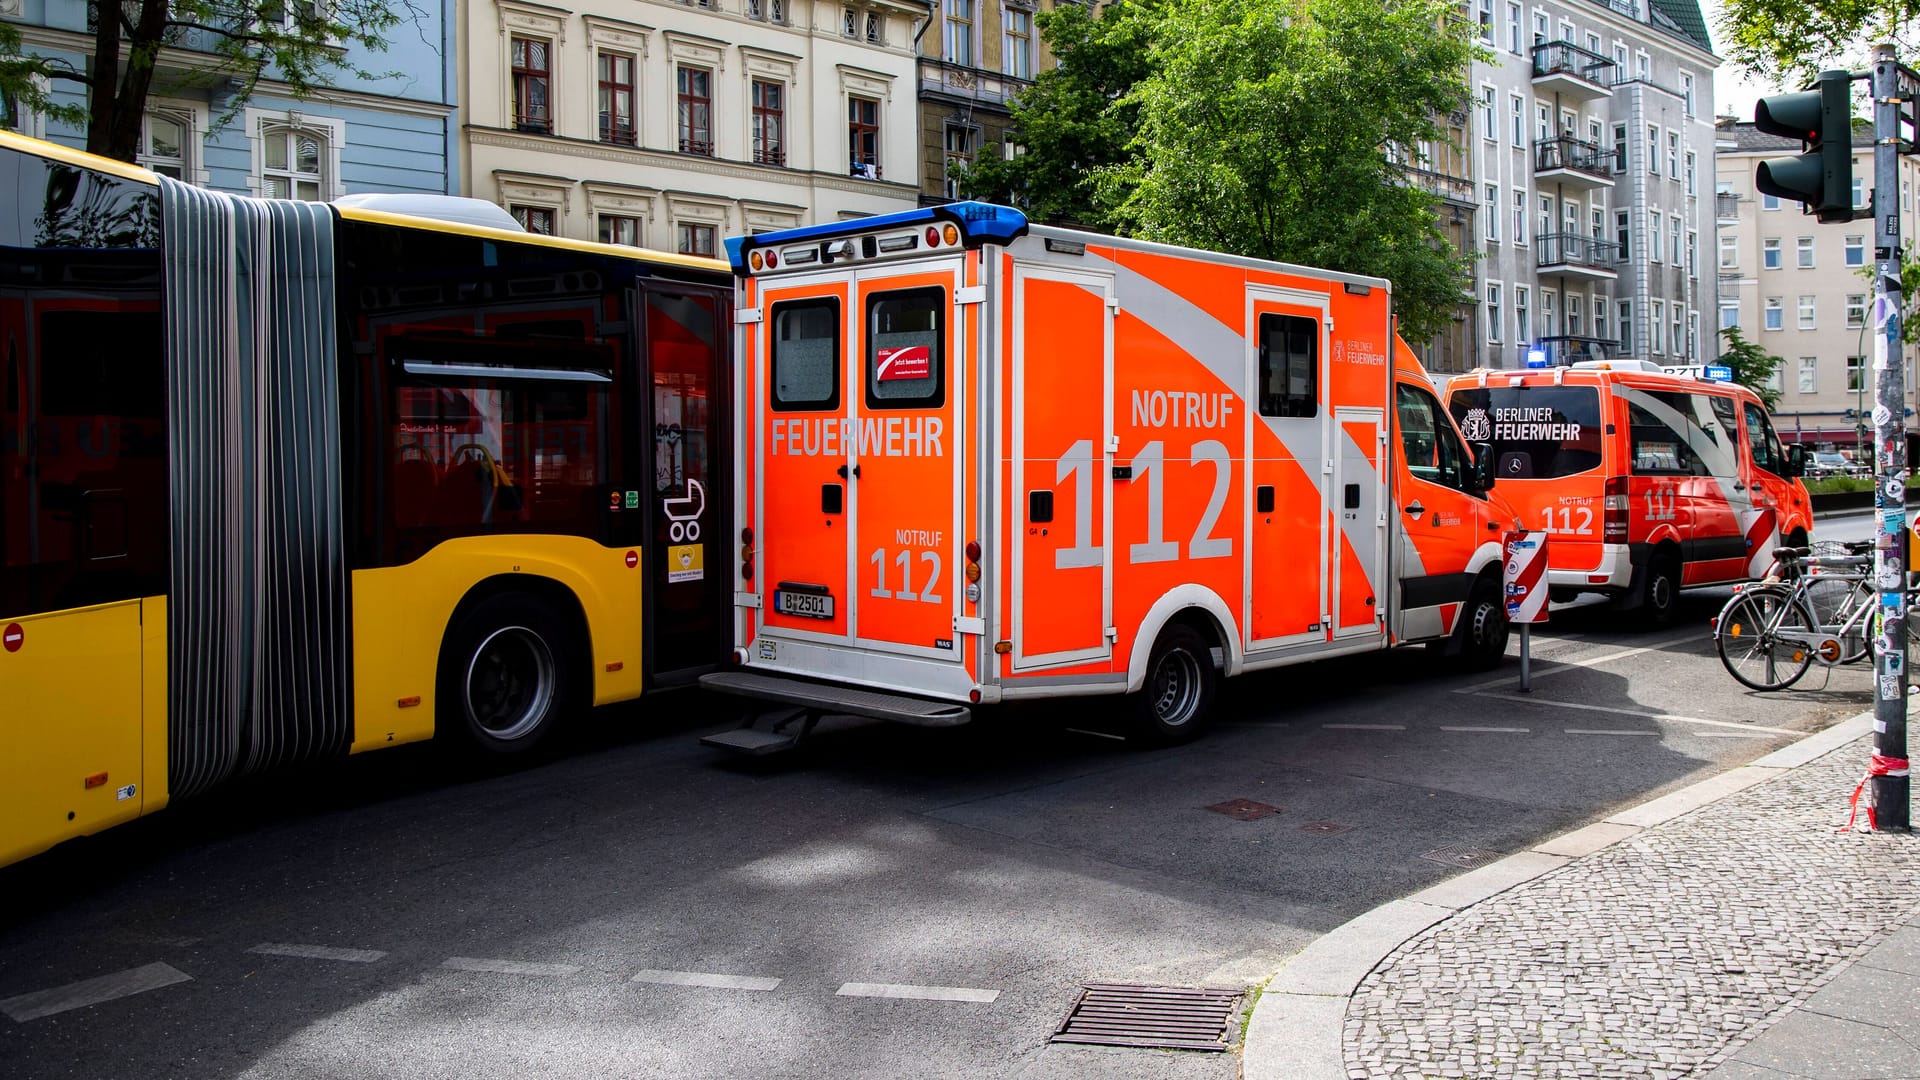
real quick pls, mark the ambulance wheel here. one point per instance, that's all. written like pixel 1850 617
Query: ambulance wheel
pixel 1660 596
pixel 1172 706
pixel 1484 628
pixel 504 675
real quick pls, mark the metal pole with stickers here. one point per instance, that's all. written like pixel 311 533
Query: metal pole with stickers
pixel 1524 571
pixel 1894 88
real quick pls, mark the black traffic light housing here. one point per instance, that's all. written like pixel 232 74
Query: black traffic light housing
pixel 1822 119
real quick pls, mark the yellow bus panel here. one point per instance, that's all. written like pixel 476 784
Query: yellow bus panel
pixel 400 616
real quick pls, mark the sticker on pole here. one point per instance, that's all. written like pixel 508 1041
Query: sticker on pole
pixel 1525 575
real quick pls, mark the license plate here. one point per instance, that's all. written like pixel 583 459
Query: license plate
pixel 805 605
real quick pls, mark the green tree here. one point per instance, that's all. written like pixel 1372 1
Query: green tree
pixel 1752 365
pixel 302 44
pixel 1789 41
pixel 1265 128
pixel 1076 117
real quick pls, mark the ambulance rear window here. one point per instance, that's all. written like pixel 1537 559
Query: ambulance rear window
pixel 806 354
pixel 905 357
pixel 1289 365
pixel 1537 432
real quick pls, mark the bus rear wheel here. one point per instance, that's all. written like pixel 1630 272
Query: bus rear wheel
pixel 503 675
pixel 1172 706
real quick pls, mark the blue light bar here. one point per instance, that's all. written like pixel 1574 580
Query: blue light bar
pixel 979 223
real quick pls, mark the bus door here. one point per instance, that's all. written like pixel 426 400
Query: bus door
pixel 687 601
pixel 905 424
pixel 1287 602
pixel 1062 482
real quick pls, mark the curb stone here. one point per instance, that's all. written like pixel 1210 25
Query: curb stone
pixel 1298 1025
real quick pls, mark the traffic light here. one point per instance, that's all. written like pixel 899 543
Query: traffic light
pixel 1822 119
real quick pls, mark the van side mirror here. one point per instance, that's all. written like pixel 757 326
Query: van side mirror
pixel 1480 477
pixel 1796 460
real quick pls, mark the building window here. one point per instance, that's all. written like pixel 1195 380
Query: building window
pixel 1693 252
pixel 1653 236
pixel 534 219
pixel 1809 374
pixel 532 83
pixel 1729 315
pixel 1690 322
pixel 1654 327
pixel 291 164
pixel 1489 120
pixel 1692 169
pixel 863 137
pixel 1486 21
pixel 876 29
pixel 1625 323
pixel 1619 148
pixel 1653 150
pixel 1856 310
pixel 1769 202
pixel 1493 312
pixel 1856 251
pixel 1729 251
pixel 1673 154
pixel 1520 218
pixel 619 229
pixel 1770 253
pixel 1775 314
pixel 1806 313
pixel 1623 233
pixel 1545 226
pixel 1686 92
pixel 1515 43
pixel 1804 252
pixel 695 86
pixel 1519 109
pixel 164 139
pixel 1859 192
pixel 616 99
pixel 1549 317
pixel 1540 28
pixel 1018 61
pixel 849 23
pixel 697 239
pixel 1492 215
pixel 1522 316
pixel 1673 230
pixel 12 117
pixel 959 146
pixel 1600 316
pixel 959 32
pixel 1576 307
pixel 769 123
pixel 1599 223
pixel 1856 373
pixel 1642 67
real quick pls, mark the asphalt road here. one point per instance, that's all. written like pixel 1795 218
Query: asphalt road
pixel 886 902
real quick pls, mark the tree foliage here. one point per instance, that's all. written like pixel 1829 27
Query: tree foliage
pixel 1789 41
pixel 301 44
pixel 1752 365
pixel 1265 128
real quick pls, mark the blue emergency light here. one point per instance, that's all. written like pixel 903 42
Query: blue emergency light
pixel 1718 373
pixel 978 222
pixel 1536 358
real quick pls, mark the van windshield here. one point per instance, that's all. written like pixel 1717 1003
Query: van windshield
pixel 1537 432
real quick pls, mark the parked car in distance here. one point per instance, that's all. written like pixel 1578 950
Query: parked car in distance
pixel 1829 463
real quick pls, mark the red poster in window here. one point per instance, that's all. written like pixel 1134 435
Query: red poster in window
pixel 909 362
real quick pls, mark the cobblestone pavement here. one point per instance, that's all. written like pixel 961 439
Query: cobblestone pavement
pixel 1650 958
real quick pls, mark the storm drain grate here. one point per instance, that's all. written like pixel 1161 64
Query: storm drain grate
pixel 1164 1017
pixel 1324 827
pixel 1464 856
pixel 1244 809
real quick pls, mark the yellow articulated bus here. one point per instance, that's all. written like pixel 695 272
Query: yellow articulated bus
pixel 283 481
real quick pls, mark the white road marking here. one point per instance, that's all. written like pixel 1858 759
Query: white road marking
pixel 1736 725
pixel 507 967
pixel 1098 734
pixel 1500 730
pixel 1555 667
pixel 917 993
pixel 318 952
pixel 1737 735
pixel 86 992
pixel 707 979
pixel 1363 727
pixel 1609 731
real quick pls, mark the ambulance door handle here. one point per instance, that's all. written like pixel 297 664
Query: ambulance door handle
pixel 1415 509
pixel 1738 486
pixel 842 470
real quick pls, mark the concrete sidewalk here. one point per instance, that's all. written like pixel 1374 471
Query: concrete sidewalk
pixel 1727 930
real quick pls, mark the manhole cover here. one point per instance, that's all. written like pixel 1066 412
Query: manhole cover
pixel 1244 809
pixel 1464 856
pixel 1324 827
pixel 1167 1017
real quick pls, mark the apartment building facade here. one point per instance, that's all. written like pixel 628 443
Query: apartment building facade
pixel 392 132
pixel 1801 290
pixel 1592 145
pixel 982 53
pixel 672 125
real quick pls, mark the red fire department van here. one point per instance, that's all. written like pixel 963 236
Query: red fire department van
pixel 983 461
pixel 1648 481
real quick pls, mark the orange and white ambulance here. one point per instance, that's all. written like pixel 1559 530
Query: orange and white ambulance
pixel 982 460
pixel 1648 480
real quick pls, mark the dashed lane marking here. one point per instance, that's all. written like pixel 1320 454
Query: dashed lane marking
pixel 1609 731
pixel 1487 730
pixel 1737 735
pixel 507 967
pixel 707 979
pixel 1529 699
pixel 94 991
pixel 917 993
pixel 318 952
pixel 1363 727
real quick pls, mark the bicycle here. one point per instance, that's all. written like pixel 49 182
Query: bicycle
pixel 1809 608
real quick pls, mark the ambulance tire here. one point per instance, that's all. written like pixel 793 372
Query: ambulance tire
pixel 1483 627
pixel 1660 593
pixel 506 670
pixel 1172 706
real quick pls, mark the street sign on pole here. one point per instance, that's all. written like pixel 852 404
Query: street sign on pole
pixel 1887 769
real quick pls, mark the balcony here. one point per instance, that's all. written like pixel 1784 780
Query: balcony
pixel 618 130
pixel 968 85
pixel 690 145
pixel 1568 349
pixel 1566 69
pixel 1572 163
pixel 1576 256
pixel 1726 206
pixel 1457 190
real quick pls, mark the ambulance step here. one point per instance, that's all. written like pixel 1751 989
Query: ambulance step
pixel 827 698
pixel 751 741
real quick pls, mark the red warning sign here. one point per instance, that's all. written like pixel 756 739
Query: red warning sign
pixel 13 637
pixel 907 362
pixel 1526 577
pixel 633 559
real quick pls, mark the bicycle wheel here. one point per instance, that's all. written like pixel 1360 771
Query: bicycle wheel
pixel 1834 600
pixel 1745 636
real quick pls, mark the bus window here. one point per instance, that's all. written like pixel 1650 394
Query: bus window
pixel 1763 443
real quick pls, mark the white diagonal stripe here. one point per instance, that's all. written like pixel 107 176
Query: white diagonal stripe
pixel 1363 727
pixel 318 952
pixel 917 993
pixel 707 979
pixel 507 967
pixel 94 991
pixel 1649 714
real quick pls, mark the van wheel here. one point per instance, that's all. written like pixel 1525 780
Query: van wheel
pixel 1172 706
pixel 504 675
pixel 1660 597
pixel 1484 628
